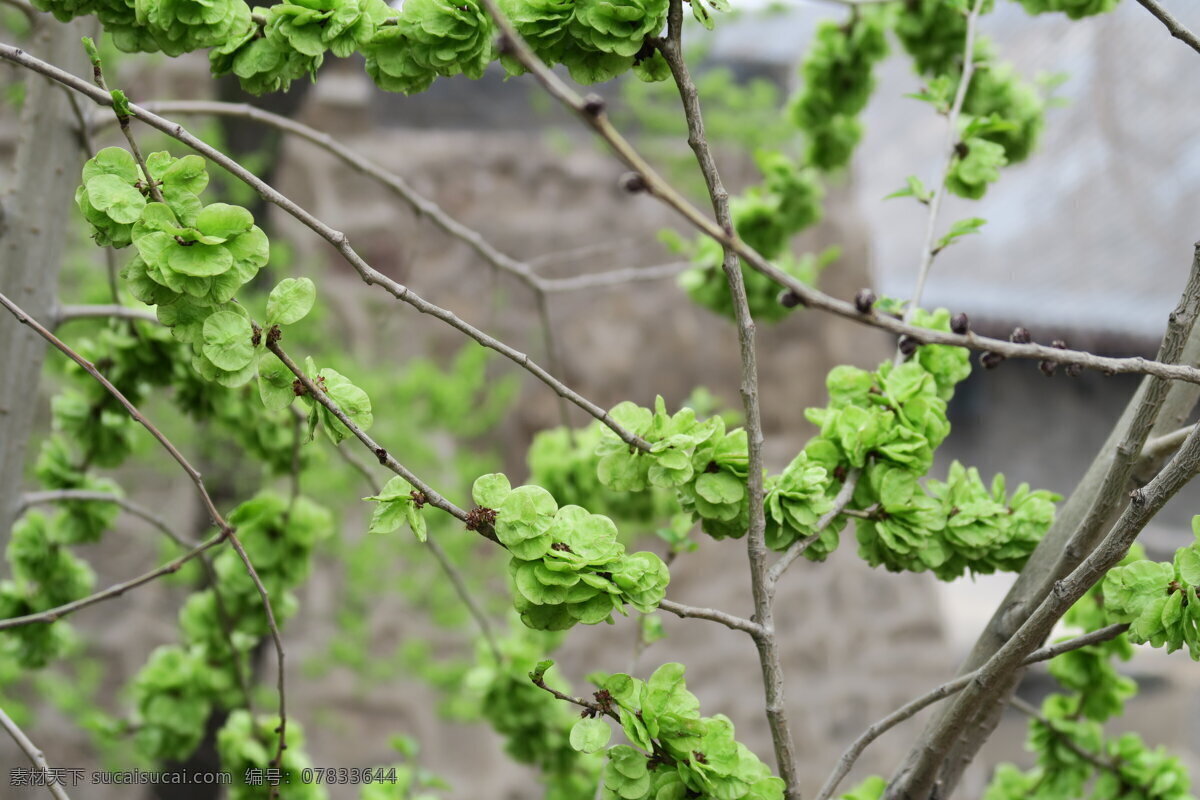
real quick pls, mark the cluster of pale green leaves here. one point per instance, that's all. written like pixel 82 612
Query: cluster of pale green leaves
pixel 567 565
pixel 674 753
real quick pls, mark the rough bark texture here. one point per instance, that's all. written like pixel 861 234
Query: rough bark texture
pixel 34 212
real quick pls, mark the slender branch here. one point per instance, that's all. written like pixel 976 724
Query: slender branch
pixel 595 708
pixel 840 501
pixel 226 530
pixel 123 121
pixel 913 707
pixel 68 313
pixel 728 620
pixel 756 549
pixel 385 458
pixel 1161 445
pixel 928 251
pixel 338 239
pixel 35 754
pixel 615 277
pixel 1031 711
pixel 1174 26
pixel 64 495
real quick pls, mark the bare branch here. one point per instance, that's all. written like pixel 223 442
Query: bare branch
pixel 843 497
pixel 1031 711
pixel 68 313
pixel 1174 26
pixel 616 277
pixel 928 251
pixel 595 708
pixel 123 120
pixel 728 620
pixel 756 549
pixel 913 707
pixel 1161 445
pixel 65 495
pixel 36 756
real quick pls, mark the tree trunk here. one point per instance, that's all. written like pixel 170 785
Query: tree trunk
pixel 34 215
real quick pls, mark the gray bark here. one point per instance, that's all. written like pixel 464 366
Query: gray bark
pixel 35 212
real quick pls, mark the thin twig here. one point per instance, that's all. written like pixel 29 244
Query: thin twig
pixel 915 706
pixel 615 277
pixel 123 122
pixel 840 501
pixel 594 708
pixel 928 251
pixel 68 313
pixel 756 549
pixel 728 620
pixel 1161 445
pixel 1174 26
pixel 1031 711
pixel 386 459
pixel 35 754
pixel 226 530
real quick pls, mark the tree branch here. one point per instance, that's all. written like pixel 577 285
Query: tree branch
pixel 756 549
pixel 730 621
pixel 843 498
pixel 1032 712
pixel 1174 26
pixel 25 8
pixel 913 707
pixel 36 756
pixel 1161 445
pixel 928 252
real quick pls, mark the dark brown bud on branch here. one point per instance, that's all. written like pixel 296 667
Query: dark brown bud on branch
pixel 789 299
pixel 907 345
pixel 864 300
pixel 1020 336
pixel 480 517
pixel 960 324
pixel 990 360
pixel 1074 370
pixel 593 105
pixel 632 182
pixel 1048 368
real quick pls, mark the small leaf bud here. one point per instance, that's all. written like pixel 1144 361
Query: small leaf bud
pixel 1020 336
pixel 789 299
pixel 960 324
pixel 907 345
pixel 632 182
pixel 990 360
pixel 864 300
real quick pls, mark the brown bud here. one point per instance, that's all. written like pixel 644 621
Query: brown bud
pixel 864 300
pixel 789 299
pixel 1048 368
pixel 907 345
pixel 1020 336
pixel 990 360
pixel 1074 370
pixel 593 105
pixel 1059 344
pixel 960 324
pixel 632 182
